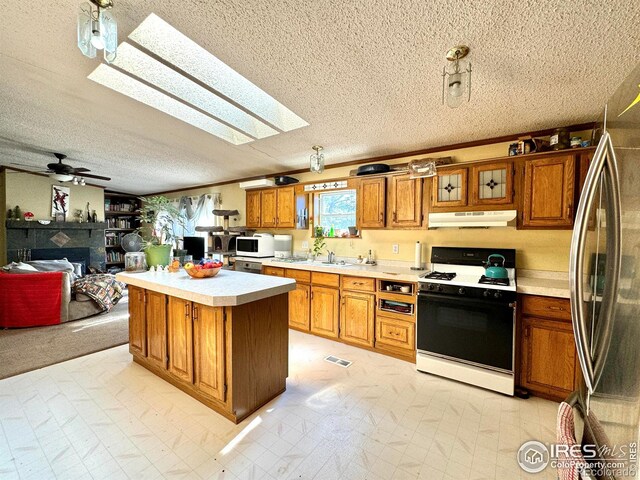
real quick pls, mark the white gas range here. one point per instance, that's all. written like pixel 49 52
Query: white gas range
pixel 466 321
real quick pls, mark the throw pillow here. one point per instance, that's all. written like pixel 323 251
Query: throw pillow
pixel 19 267
pixel 52 265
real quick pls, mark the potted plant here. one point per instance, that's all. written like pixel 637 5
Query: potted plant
pixel 318 242
pixel 158 218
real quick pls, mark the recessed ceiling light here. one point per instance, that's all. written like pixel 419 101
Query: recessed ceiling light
pixel 123 83
pixel 166 42
pixel 156 73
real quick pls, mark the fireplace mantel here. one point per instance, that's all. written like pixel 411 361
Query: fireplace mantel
pixel 34 224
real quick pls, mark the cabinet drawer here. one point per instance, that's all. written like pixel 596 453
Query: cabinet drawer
pixel 274 271
pixel 391 332
pixel 303 276
pixel 358 284
pixel 549 307
pixel 327 279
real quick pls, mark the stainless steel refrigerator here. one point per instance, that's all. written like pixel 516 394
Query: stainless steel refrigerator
pixel 605 288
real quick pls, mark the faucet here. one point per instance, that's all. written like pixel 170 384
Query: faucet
pixel 331 256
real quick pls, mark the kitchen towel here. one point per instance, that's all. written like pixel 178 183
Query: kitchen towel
pixel 569 466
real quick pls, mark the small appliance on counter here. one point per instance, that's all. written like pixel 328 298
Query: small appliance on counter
pixel 259 245
pixel 282 246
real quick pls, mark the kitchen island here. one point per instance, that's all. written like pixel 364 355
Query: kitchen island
pixel 223 340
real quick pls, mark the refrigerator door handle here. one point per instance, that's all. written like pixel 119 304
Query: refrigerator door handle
pixel 591 355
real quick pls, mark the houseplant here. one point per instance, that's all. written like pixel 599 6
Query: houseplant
pixel 318 242
pixel 159 217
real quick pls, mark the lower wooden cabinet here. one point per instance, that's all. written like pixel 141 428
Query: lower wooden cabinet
pixel 156 320
pixel 273 271
pixel 180 338
pixel 299 307
pixel 325 311
pixel 357 317
pixel 395 335
pixel 208 350
pixel 137 322
pixel 549 362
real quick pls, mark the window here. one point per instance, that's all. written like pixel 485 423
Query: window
pixel 336 209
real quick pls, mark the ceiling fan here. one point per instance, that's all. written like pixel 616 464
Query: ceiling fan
pixel 64 172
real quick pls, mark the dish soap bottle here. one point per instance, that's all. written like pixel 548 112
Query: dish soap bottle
pixel 332 232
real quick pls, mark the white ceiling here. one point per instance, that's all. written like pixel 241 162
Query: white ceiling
pixel 364 73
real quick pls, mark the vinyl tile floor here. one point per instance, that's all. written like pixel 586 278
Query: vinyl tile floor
pixel 104 417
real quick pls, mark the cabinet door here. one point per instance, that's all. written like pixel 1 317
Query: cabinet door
pixel 209 351
pixel 253 209
pixel 405 202
pixel 269 200
pixel 371 202
pixel 156 313
pixel 285 207
pixel 395 334
pixel 449 188
pixel 548 357
pixel 137 322
pixel 180 335
pixel 325 311
pixel 299 305
pixel 492 184
pixel 356 318
pixel 548 192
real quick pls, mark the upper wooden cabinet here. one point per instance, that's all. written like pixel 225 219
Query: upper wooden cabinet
pixel 371 202
pixel 548 194
pixel 449 188
pixel 491 184
pixel 269 208
pixel 285 207
pixel 404 207
pixel 254 213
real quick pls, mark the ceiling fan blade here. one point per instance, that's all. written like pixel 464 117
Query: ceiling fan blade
pixel 99 177
pixel 81 169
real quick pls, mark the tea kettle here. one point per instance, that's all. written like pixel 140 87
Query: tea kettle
pixel 495 269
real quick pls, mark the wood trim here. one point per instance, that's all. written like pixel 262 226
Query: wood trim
pixel 393 156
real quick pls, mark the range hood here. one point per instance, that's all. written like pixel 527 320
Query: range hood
pixel 494 218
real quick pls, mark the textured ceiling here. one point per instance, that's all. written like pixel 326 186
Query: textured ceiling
pixel 364 73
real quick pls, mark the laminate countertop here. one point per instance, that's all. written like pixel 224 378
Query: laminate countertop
pixel 544 283
pixel 227 288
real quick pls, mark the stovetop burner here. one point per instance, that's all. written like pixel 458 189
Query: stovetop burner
pixel 440 276
pixel 494 281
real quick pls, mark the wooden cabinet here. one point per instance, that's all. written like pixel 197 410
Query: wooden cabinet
pixel 209 350
pixel 395 335
pixel 285 207
pixel 358 284
pixel 548 193
pixel 180 338
pixel 325 313
pixel 137 322
pixel 269 208
pixel 273 271
pixel 156 316
pixel 491 184
pixel 299 307
pixel 404 206
pixel 372 202
pixel 357 318
pixel 449 189
pixel 254 212
pixel 549 363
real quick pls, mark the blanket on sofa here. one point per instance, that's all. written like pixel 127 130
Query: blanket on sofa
pixel 104 289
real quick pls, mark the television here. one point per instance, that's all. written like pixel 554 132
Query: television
pixel 194 247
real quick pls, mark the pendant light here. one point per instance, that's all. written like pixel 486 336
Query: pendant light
pixel 316 161
pixel 97 29
pixel 456 84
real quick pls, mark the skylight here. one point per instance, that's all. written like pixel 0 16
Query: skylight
pixel 160 38
pixel 123 83
pixel 165 78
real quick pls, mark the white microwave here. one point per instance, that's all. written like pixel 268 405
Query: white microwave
pixel 260 245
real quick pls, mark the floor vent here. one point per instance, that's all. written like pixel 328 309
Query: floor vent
pixel 338 361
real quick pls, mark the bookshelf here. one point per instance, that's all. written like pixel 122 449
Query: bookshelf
pixel 122 215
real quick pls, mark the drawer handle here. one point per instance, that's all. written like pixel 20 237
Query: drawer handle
pixel 557 309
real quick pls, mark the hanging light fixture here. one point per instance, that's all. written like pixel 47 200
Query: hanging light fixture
pixel 456 84
pixel 97 29
pixel 316 161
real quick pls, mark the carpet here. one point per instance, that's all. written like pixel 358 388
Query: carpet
pixel 26 349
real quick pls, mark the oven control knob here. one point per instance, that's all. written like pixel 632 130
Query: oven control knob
pixel 431 286
pixel 462 290
pixel 486 293
pixel 498 294
pixel 440 289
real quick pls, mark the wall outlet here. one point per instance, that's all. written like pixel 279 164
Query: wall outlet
pixel 395 248
pixel 305 245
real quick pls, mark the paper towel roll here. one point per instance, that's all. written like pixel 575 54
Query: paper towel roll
pixel 417 261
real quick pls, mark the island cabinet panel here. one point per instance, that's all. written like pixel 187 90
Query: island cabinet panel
pixel 299 307
pixel 269 212
pixel 209 350
pixel 357 318
pixel 286 207
pixel 325 311
pixel 548 194
pixel 137 322
pixel 404 207
pixel 156 315
pixel 372 202
pixel 180 338
pixel 253 208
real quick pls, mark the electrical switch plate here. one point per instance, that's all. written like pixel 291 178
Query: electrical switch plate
pixel 305 245
pixel 395 248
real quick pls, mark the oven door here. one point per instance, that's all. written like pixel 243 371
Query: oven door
pixel 474 331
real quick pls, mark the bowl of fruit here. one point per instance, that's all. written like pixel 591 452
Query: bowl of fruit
pixel 204 269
